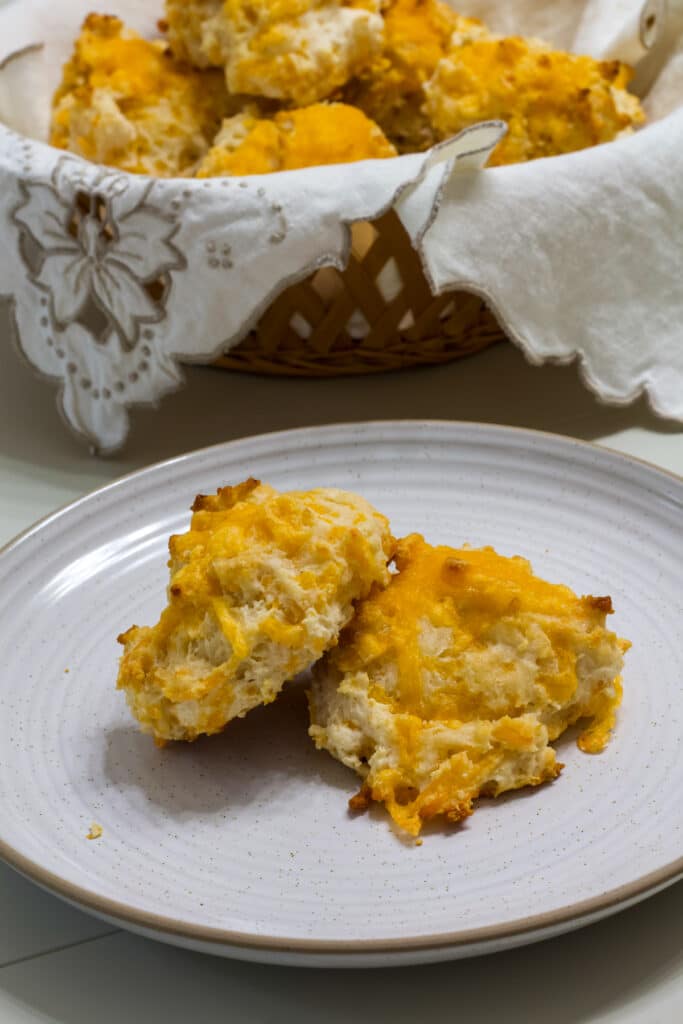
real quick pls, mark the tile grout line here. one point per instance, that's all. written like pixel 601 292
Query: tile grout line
pixel 58 949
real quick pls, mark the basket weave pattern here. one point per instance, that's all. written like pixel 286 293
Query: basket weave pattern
pixel 377 314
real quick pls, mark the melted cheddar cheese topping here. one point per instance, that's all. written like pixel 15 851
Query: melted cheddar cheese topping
pixel 244 79
pixel 553 102
pixel 417 34
pixel 451 682
pixel 261 585
pixel 299 51
pixel 322 134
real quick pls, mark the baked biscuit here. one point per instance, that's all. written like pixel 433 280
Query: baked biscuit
pixel 299 51
pixel 553 102
pixel 260 587
pixel 417 34
pixel 451 683
pixel 125 102
pixel 321 134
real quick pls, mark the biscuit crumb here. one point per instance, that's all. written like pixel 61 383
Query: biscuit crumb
pixel 95 831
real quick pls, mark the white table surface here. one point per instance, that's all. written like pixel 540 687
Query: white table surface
pixel 57 964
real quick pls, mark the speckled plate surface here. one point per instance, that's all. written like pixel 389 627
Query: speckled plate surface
pixel 241 844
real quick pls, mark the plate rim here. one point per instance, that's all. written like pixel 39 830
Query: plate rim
pixel 569 914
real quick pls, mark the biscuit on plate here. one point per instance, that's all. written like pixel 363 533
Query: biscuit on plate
pixel 260 586
pixel 451 682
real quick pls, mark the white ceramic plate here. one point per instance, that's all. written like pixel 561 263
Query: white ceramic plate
pixel 241 844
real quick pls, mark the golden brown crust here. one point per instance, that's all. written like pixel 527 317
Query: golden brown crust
pixel 362 800
pixel 225 497
pixel 418 72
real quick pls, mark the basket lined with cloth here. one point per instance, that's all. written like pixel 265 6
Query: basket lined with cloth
pixel 118 278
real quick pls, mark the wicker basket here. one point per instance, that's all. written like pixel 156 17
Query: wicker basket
pixel 377 314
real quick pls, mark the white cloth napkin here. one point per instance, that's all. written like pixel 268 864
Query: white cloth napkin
pixel 580 256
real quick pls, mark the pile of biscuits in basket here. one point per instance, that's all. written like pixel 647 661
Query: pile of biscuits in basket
pixel 254 86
